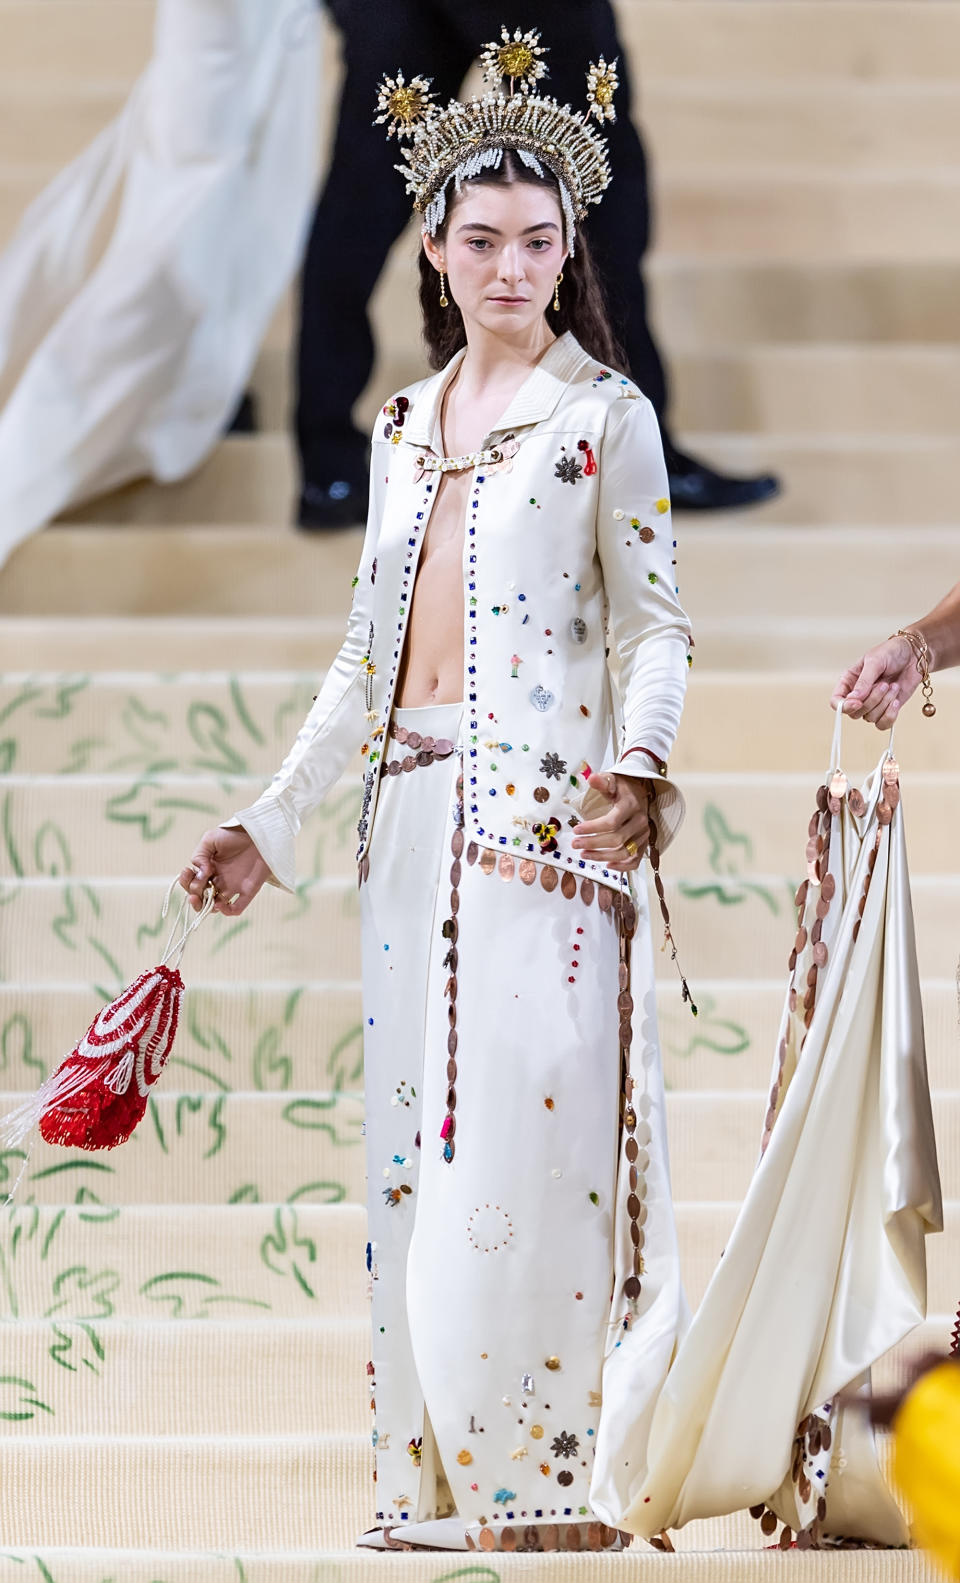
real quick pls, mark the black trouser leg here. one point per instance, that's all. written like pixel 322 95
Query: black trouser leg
pixel 362 210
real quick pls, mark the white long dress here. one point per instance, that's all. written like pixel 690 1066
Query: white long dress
pixel 505 1354
pixel 131 363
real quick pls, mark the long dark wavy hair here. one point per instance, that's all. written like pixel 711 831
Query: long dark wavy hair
pixel 582 306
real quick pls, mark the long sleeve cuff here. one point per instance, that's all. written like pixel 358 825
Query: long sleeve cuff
pixel 273 830
pixel 671 804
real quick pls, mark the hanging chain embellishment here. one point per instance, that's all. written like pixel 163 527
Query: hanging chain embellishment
pixel 370 673
pixel 451 930
pixel 627 922
pixel 653 856
pixel 921 653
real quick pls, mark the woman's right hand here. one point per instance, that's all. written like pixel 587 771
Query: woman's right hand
pixel 230 859
pixel 879 684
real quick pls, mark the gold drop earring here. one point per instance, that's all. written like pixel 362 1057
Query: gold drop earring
pixel 556 293
pixel 443 290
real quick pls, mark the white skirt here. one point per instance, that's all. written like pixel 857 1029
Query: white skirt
pixel 518 1185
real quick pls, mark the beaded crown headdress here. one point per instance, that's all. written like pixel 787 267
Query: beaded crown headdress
pixel 458 141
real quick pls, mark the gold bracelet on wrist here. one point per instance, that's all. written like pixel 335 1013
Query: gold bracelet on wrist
pixel 921 653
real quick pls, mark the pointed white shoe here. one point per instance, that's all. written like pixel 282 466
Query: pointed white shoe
pixel 443 1533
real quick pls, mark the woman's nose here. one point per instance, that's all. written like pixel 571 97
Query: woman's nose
pixel 511 264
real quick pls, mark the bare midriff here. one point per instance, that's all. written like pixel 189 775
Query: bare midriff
pixel 431 667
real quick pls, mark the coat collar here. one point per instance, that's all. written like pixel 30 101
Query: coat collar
pixel 536 399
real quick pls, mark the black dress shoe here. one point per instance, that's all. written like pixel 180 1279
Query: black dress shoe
pixel 339 504
pixel 696 487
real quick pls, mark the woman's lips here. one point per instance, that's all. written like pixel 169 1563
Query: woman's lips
pixel 511 302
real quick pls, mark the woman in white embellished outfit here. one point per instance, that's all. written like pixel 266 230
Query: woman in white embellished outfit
pixel 522 1245
pixel 514 672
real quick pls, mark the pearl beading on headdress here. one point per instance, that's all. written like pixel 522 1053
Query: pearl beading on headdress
pixel 458 142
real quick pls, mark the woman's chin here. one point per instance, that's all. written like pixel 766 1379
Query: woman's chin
pixel 509 318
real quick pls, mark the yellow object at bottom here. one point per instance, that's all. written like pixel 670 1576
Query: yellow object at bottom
pixel 927 1462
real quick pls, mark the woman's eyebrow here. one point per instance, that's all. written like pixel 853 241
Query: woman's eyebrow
pixel 548 225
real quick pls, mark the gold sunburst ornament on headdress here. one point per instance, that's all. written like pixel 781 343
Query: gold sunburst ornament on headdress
pixel 459 140
pixel 517 59
pixel 602 84
pixel 402 103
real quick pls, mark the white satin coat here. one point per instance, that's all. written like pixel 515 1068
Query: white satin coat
pixel 568 549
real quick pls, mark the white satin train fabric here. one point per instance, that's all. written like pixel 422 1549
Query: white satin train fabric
pixel 825 1269
pixel 131 362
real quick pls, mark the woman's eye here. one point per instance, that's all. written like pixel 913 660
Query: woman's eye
pixel 540 242
pixel 479 242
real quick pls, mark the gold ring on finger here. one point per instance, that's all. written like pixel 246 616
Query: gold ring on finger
pixel 631 847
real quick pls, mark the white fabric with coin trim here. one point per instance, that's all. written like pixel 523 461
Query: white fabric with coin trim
pixel 825 1269
pixel 496 1348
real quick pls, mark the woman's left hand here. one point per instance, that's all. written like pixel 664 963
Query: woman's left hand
pixel 618 838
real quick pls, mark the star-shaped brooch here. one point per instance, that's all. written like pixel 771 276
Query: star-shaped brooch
pixel 568 470
pixel 552 766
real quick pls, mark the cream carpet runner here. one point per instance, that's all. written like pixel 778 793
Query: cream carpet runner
pixel 183 1322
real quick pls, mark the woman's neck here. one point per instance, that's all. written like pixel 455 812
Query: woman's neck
pixel 493 360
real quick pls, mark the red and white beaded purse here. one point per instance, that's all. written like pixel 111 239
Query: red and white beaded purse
pixel 98 1094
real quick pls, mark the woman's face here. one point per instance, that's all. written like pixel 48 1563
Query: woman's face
pixel 502 253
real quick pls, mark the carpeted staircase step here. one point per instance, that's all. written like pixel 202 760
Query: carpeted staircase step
pixel 167 1378
pixel 278 576
pixel 750 120
pixel 307 1148
pixel 263 1261
pixel 766 211
pixel 268 1491
pixel 307 644
pixel 111 643
pixel 270 1037
pixel 708 303
pixel 786 40
pixel 782 389
pixel 640 1563
pixel 106 931
pixel 736 825
pixel 827 478
pixel 741 121
pixel 219 725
